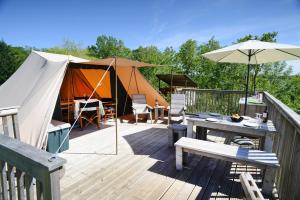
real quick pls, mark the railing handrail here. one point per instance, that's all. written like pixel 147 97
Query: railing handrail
pixel 8 111
pixel 27 158
pixel 213 90
pixel 286 111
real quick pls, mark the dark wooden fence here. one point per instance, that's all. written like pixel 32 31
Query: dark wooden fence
pixel 287 147
pixel 204 100
pixel 25 172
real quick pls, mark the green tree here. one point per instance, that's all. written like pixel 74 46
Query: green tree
pixel 152 55
pixel 10 60
pixel 108 46
pixel 188 57
pixel 70 47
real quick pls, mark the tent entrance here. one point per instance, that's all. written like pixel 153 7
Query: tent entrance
pixel 79 83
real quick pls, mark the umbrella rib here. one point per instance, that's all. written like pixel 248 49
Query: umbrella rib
pixel 258 51
pixel 288 53
pixel 243 53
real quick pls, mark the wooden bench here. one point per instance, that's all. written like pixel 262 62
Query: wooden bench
pixel 251 191
pixel 260 159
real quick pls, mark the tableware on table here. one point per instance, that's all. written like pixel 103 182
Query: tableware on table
pixel 247 117
pixel 211 119
pixel 249 124
pixel 214 114
pixel 236 118
pixel 259 119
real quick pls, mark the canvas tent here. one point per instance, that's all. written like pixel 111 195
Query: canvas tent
pixel 131 79
pixel 36 85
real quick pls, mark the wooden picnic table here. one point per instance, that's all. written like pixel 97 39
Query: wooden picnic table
pixel 264 131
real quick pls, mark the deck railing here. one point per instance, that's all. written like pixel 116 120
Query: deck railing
pixel 287 147
pixel 25 172
pixel 205 100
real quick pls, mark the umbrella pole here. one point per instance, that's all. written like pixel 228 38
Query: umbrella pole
pixel 116 102
pixel 247 86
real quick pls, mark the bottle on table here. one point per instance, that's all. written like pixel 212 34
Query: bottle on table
pixel 265 115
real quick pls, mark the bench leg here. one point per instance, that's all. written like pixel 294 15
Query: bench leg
pixel 268 181
pixel 179 158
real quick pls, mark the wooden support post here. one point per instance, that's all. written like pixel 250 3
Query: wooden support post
pixel 51 186
pixel 268 181
pixel 268 143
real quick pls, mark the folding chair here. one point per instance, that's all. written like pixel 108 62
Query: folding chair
pixel 90 113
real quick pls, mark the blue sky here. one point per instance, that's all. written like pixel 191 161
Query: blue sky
pixel 165 23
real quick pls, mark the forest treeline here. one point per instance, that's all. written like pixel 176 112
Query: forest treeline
pixel 275 78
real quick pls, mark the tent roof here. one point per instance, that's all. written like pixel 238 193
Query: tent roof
pixel 178 80
pixel 59 57
pixel 121 62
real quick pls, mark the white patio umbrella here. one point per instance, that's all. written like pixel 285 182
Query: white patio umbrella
pixel 254 52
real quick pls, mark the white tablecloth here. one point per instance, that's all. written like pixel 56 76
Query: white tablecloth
pixel 77 102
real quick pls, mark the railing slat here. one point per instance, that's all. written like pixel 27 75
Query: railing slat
pixel 39 191
pixel 29 187
pixel 11 182
pixel 5 125
pixel 20 185
pixel 225 102
pixel 15 123
pixel 3 179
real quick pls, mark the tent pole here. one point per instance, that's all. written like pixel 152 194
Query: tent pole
pixel 116 99
pixel 247 85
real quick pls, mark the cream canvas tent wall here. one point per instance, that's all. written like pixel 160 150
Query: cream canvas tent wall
pixel 36 85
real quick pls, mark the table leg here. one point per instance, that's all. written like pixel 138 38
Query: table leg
pixel 189 130
pixel 156 114
pixel 268 143
pixel 201 133
pixel 162 114
pixel 179 158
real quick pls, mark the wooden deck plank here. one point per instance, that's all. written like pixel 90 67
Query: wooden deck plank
pixel 144 168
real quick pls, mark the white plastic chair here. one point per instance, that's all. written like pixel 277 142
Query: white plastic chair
pixel 140 106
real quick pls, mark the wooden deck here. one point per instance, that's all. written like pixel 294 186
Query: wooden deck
pixel 144 167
